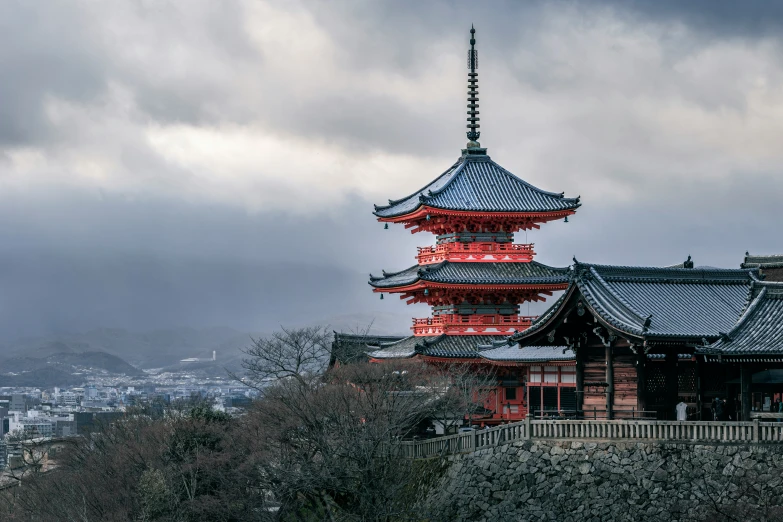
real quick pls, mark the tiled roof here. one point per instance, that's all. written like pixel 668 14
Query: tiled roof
pixel 658 302
pixel 476 183
pixel 666 302
pixel 352 347
pixel 514 353
pixel 457 346
pixel 454 345
pixel 474 273
pixel 366 339
pixel 760 330
pixel 772 261
pixel 405 347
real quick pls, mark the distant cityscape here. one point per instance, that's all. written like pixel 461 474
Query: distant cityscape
pixel 35 414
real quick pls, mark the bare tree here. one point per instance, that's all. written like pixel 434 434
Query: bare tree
pixel 296 353
pixel 468 388
pixel 335 448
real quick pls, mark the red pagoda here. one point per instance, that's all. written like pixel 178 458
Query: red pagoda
pixel 475 276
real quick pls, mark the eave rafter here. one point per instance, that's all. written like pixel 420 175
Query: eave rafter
pixel 442 221
pixel 445 293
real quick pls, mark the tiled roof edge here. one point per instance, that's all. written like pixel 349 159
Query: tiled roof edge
pixel 393 202
pixel 559 195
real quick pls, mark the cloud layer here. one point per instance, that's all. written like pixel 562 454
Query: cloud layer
pixel 216 163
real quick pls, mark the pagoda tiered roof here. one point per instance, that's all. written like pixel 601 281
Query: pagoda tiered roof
pixel 476 184
pixel 648 303
pixel 759 332
pixel 449 272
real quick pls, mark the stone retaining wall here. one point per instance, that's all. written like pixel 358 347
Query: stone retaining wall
pixel 598 481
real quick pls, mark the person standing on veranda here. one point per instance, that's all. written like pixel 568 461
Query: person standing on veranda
pixel 682 411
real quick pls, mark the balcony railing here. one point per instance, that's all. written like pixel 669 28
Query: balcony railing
pixel 475 324
pixel 486 252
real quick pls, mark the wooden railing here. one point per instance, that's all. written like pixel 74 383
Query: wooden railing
pixel 594 414
pixel 473 324
pixel 585 430
pixel 478 251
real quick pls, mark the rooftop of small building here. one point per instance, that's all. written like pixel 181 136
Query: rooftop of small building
pixel 351 347
pixel 762 261
pixel 442 346
pixel 514 353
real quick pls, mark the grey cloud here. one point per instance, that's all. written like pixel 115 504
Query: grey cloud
pixel 90 257
pixel 715 18
pixel 44 50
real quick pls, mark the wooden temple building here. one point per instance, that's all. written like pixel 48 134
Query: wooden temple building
pixel 620 342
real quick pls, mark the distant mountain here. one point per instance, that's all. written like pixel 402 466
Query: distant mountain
pixel 64 368
pixel 42 378
pixel 153 349
pixel 166 348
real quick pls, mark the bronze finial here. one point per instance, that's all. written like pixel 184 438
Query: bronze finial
pixel 473 132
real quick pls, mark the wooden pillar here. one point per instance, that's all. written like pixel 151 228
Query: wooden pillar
pixel 745 380
pixel 580 378
pixel 609 381
pixel 641 380
pixel 672 386
pixel 699 370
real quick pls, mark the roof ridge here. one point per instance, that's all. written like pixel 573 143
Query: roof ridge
pixel 392 343
pixel 673 274
pixel 749 311
pixel 599 302
pixel 391 274
pixel 462 162
pixel 619 298
pixel 393 202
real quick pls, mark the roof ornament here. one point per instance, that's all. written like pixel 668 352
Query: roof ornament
pixel 473 134
pixel 688 262
pixel 647 323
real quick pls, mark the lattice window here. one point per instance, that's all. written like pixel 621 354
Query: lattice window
pixel 656 379
pixel 686 379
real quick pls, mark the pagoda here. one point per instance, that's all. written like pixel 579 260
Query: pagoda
pixel 475 276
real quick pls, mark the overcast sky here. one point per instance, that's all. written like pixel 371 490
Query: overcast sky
pixel 201 163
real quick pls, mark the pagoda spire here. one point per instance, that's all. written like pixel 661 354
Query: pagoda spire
pixel 473 133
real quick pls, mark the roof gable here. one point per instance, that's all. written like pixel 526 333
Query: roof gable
pixel 760 329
